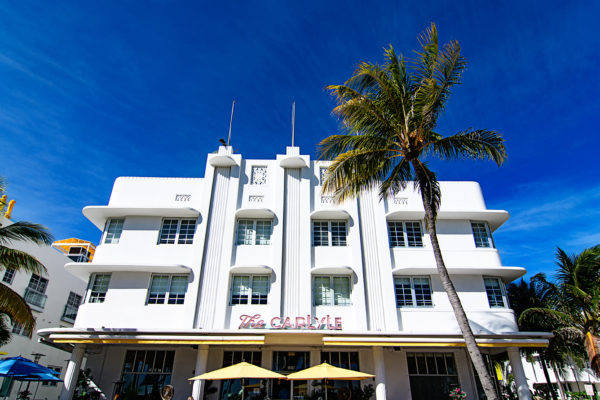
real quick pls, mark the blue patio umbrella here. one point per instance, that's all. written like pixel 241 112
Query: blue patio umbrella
pixel 19 367
pixel 22 369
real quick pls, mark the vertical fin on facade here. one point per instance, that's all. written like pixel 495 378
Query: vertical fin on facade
pixel 212 252
pixel 291 253
pixel 373 289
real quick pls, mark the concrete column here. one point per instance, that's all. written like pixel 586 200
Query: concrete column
pixel 72 372
pixel 201 362
pixel 514 357
pixel 380 393
pixel 315 359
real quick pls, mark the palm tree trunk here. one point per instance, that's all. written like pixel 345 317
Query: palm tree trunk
pixel 548 382
pixel 459 312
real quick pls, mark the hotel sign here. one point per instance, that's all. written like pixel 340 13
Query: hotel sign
pixel 308 322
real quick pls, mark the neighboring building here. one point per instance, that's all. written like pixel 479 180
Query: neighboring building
pixel 76 249
pixel 54 299
pixel 572 378
pixel 252 262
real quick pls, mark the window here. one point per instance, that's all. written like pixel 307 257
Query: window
pixel 259 175
pixel 432 375
pixel 169 288
pixel 144 372
pixel 180 231
pixel 405 234
pixel 232 388
pixel 52 383
pixel 9 276
pixel 98 287
pixel 342 359
pixel 482 234
pixel 329 233
pixel 70 312
pixel 332 291
pixel 249 288
pixel 494 291
pixel 35 292
pixel 286 362
pixel 19 329
pixel 79 254
pixel 114 228
pixel 413 292
pixel 254 232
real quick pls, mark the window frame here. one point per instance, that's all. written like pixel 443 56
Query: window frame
pixel 332 292
pixel 71 303
pixel 405 236
pixel 254 230
pixel 89 291
pixel 342 241
pixel 10 274
pixel 177 239
pixel 502 290
pixel 250 297
pixel 107 225
pixel 413 294
pixel 490 238
pixel 167 294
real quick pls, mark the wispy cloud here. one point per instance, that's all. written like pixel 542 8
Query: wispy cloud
pixel 546 215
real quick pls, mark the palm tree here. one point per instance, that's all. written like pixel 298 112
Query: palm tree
pixel 572 303
pixel 389 114
pixel 12 305
pixel 567 342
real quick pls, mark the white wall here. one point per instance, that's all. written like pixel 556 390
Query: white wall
pixel 60 284
pixel 367 236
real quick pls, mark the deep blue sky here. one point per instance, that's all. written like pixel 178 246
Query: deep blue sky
pixel 90 92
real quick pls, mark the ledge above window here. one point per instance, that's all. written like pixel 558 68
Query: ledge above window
pixel 84 270
pixel 330 214
pixel 507 274
pixel 333 270
pixel 253 213
pixel 495 218
pixel 251 269
pixel 292 162
pixel 99 214
pixel 222 160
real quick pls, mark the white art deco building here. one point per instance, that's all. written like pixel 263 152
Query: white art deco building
pixel 252 262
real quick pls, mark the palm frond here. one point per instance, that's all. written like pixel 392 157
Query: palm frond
pixel 355 171
pixel 20 261
pixel 543 319
pixel 480 144
pixel 16 308
pixel 397 180
pixel 27 232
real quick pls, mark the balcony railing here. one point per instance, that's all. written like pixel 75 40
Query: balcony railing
pixel 70 313
pixel 35 299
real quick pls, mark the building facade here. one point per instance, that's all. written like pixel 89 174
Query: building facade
pixel 54 298
pixel 253 262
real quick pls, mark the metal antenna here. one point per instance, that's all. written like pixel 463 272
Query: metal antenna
pixel 293 121
pixel 230 122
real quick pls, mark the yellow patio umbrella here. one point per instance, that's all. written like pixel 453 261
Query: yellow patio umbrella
pixel 327 371
pixel 241 370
